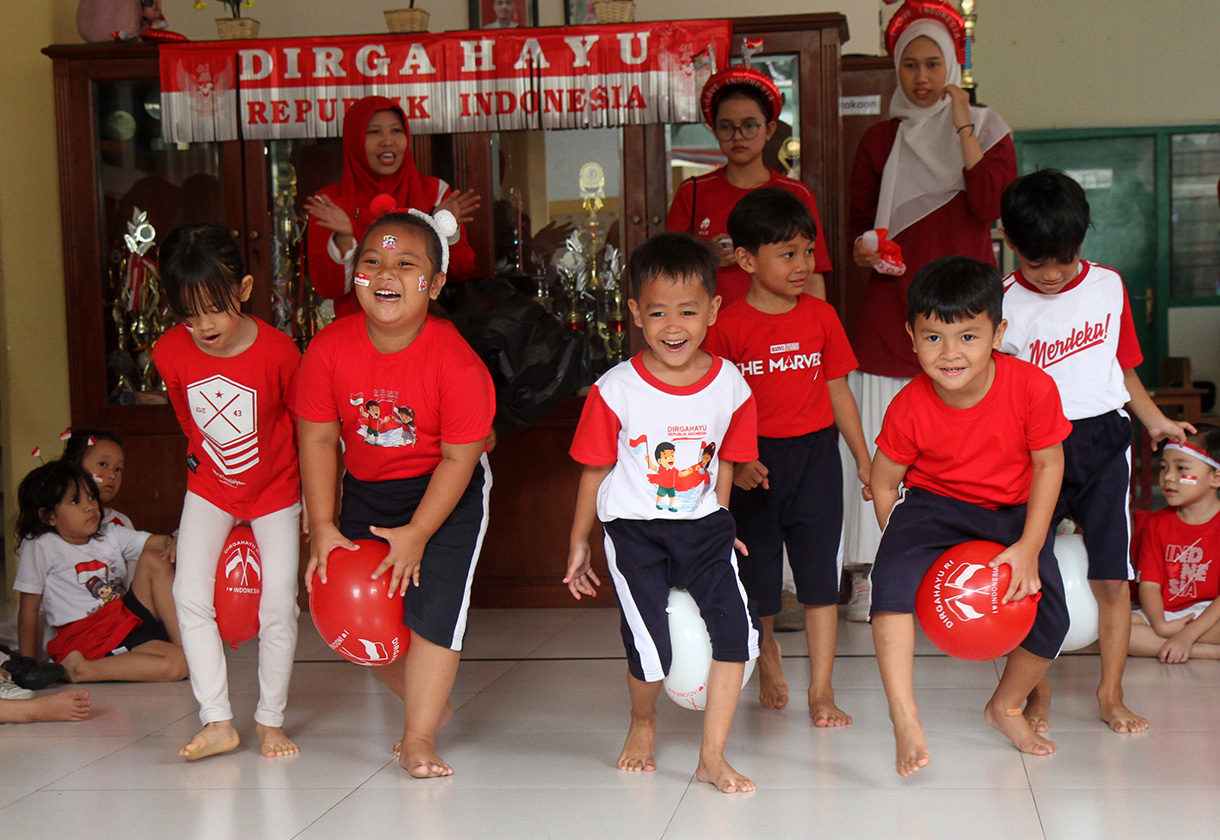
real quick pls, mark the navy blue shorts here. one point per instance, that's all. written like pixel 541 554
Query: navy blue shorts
pixel 647 558
pixel 436 609
pixel 1096 492
pixel 924 524
pixel 150 629
pixel 803 510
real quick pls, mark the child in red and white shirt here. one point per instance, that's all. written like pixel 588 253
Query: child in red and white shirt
pixel 665 521
pixel 1072 318
pixel 794 354
pixel 419 480
pixel 231 379
pixel 1177 556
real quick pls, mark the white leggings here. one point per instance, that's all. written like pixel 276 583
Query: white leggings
pixel 201 535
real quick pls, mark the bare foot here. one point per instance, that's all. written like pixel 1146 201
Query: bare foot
pixel 717 772
pixel 772 687
pixel 825 713
pixel 419 758
pixel 66 705
pixel 1017 729
pixel 72 665
pixel 274 742
pixel 215 738
pixel 638 748
pixel 445 717
pixel 1038 707
pixel 1120 718
pixel 912 753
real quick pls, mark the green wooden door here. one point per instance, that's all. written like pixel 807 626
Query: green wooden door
pixel 1119 175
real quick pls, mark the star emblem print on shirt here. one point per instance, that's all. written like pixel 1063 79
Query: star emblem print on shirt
pixel 226 412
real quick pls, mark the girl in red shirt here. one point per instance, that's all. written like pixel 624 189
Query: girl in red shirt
pixel 421 487
pixel 231 378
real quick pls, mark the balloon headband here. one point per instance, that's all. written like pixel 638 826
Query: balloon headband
pixel 937 10
pixel 739 75
pixel 443 224
pixel 1195 452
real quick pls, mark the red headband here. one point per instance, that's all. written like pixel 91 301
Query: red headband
pixel 938 10
pixel 739 75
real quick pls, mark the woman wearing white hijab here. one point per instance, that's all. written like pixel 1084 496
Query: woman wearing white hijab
pixel 932 175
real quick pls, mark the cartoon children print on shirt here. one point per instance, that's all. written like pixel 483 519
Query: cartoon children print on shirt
pixel 677 489
pixel 382 423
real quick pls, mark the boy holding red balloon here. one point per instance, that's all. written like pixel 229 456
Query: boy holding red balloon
pixel 1072 318
pixel 975 442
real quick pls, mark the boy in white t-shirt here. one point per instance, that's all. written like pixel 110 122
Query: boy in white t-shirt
pixel 668 526
pixel 1072 318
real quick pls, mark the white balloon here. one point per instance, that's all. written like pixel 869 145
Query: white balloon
pixel 686 683
pixel 1081 605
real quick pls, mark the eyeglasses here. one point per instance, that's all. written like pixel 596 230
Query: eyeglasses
pixel 727 131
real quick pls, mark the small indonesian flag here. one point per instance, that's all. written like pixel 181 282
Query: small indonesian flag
pixel 89 569
pixel 37 452
pixel 641 440
pixel 65 434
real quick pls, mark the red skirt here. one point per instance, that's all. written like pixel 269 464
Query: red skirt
pixel 96 634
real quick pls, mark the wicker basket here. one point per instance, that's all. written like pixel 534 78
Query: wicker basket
pixel 406 20
pixel 614 11
pixel 236 29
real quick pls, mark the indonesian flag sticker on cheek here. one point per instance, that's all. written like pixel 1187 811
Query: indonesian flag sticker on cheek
pixel 423 283
pixel 1189 479
pixel 361 279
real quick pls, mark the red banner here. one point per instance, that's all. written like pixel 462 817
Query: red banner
pixel 570 77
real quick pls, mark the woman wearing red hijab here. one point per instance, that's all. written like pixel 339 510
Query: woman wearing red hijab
pixel 376 159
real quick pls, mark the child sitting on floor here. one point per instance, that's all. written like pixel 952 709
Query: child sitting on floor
pixel 1176 551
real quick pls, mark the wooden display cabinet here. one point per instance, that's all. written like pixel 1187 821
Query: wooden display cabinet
pixel 112 160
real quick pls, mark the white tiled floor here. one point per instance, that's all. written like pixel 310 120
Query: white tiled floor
pixel 541 712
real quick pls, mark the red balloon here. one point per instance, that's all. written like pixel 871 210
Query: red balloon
pixel 239 585
pixel 353 612
pixel 958 604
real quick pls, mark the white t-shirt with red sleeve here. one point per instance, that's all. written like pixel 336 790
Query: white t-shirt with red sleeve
pixel 664 441
pixel 1083 336
pixel 787 360
pixel 1183 558
pixel 238 418
pixel 394 409
pixel 979 454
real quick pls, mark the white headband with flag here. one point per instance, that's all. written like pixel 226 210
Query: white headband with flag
pixel 1195 452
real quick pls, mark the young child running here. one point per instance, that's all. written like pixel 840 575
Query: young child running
pixel 794 354
pixel 976 441
pixel 231 379
pixel 110 624
pixel 1177 556
pixel 425 493
pixel 1072 319
pixel 672 393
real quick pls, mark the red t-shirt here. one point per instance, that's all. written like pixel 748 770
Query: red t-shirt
pixel 787 359
pixel 237 414
pixel 394 409
pixel 1183 559
pixel 715 198
pixel 962 226
pixel 979 454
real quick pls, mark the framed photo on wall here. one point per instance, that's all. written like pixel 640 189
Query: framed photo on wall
pixel 503 14
pixel 578 12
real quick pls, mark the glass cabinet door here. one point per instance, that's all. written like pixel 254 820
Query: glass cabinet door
pixel 145 188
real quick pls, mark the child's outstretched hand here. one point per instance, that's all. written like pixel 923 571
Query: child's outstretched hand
pixel 749 475
pixel 1166 429
pixel 1024 565
pixel 406 554
pixel 326 538
pixel 580 577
